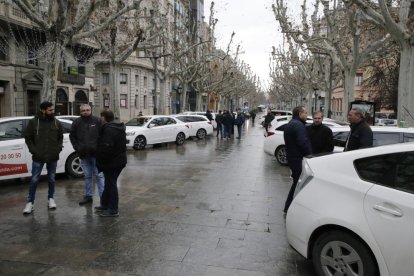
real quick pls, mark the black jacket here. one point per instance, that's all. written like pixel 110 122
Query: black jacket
pixel 84 135
pixel 268 119
pixel 44 138
pixel 321 138
pixel 111 153
pixel 296 140
pixel 361 136
pixel 227 119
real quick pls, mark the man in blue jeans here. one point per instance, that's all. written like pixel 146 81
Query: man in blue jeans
pixel 84 135
pixel 44 138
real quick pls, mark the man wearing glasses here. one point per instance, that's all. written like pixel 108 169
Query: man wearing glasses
pixel 84 137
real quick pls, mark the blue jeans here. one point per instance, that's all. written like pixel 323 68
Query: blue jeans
pixel 89 170
pixel 36 171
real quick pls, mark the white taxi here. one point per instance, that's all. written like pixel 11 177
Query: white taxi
pixel 15 158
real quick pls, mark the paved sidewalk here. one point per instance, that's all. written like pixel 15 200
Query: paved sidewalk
pixel 209 207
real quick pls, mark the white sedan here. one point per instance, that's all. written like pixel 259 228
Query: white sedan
pixel 274 143
pixel 199 125
pixel 15 158
pixel 149 130
pixel 354 215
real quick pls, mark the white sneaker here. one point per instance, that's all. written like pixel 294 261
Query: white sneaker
pixel 28 209
pixel 52 203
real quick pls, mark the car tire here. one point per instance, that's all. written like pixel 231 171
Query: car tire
pixel 139 143
pixel 354 258
pixel 201 133
pixel 280 154
pixel 180 139
pixel 73 166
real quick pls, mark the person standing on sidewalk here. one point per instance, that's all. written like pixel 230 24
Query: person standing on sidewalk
pixel 268 119
pixel 253 116
pixel 321 136
pixel 44 138
pixel 297 146
pixel 239 123
pixel 227 124
pixel 219 121
pixel 361 135
pixel 84 135
pixel 111 159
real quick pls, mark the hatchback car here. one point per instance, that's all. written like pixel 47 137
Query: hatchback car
pixel 199 126
pixel 15 158
pixel 213 122
pixel 149 130
pixel 354 215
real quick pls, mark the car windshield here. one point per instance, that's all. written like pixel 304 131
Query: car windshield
pixel 140 121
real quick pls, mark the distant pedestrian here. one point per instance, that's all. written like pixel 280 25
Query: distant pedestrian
pixel 111 159
pixel 140 114
pixel 253 116
pixel 297 146
pixel 268 120
pixel 233 115
pixel 320 136
pixel 219 122
pixel 239 123
pixel 209 115
pixel 227 124
pixel 44 138
pixel 84 135
pixel 361 135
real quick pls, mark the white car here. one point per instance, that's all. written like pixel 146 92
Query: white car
pixel 199 125
pixel 354 215
pixel 15 158
pixel 213 122
pixel 274 143
pixel 67 117
pixel 150 130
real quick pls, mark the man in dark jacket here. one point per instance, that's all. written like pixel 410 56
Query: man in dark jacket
pixel 297 146
pixel 219 121
pixel 227 124
pixel 320 136
pixel 361 135
pixel 44 138
pixel 84 135
pixel 268 119
pixel 111 159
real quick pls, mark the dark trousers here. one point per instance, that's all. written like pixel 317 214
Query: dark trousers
pixel 220 129
pixel 239 130
pixel 110 197
pixel 296 168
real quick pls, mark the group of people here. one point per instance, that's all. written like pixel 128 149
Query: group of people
pixel 226 121
pixel 301 140
pixel 100 144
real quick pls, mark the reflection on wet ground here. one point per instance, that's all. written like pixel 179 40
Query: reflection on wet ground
pixel 209 207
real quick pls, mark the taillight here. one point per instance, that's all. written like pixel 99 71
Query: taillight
pixel 305 177
pixel 270 133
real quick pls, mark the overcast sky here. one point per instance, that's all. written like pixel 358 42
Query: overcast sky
pixel 255 27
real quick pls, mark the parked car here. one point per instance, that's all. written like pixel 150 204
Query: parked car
pixel 15 158
pixel 149 130
pixel 199 125
pixel 385 119
pixel 203 113
pixel 67 117
pixel 276 113
pixel 354 215
pixel 274 143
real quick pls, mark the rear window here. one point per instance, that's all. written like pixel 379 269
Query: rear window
pixel 386 138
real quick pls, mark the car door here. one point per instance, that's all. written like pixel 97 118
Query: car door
pixel 389 208
pixel 171 128
pixel 14 158
pixel 154 133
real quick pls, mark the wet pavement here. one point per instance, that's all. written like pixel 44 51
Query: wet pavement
pixel 209 207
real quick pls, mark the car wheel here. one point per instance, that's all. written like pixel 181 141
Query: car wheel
pixel 180 138
pixel 340 253
pixel 139 143
pixel 280 154
pixel 73 166
pixel 201 133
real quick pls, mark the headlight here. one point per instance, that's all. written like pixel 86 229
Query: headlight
pixel 305 177
pixel 132 133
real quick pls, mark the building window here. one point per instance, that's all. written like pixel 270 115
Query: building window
pixel 106 100
pixel 105 78
pixel 358 79
pixel 145 102
pixel 32 57
pixel 137 81
pixel 123 100
pixel 123 78
pixel 137 101
pixel 145 82
pixel 4 49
